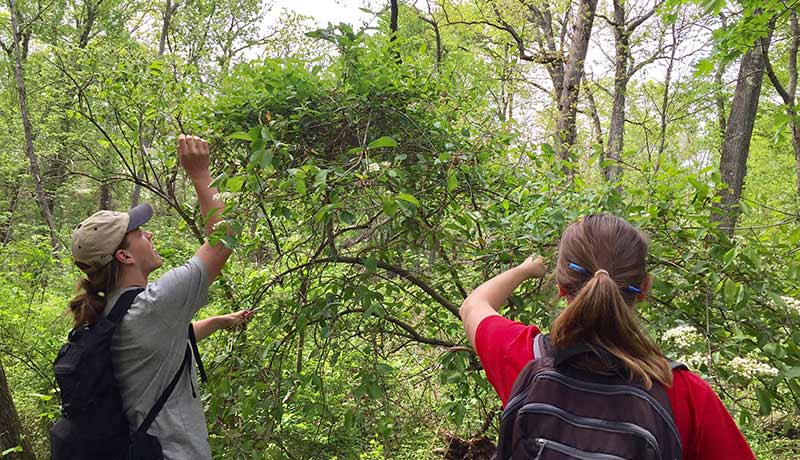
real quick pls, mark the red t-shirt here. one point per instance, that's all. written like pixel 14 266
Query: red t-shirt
pixel 707 430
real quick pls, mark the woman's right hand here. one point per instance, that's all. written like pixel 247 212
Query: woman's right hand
pixel 534 267
pixel 193 155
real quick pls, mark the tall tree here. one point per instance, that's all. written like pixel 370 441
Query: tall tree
pixel 19 42
pixel 739 130
pixel 10 427
pixel 560 48
pixel 623 28
pixel 566 130
pixel 788 93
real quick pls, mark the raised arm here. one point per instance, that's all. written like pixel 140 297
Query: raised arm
pixel 487 298
pixel 193 156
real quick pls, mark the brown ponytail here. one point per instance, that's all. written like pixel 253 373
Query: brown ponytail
pixel 600 310
pixel 93 290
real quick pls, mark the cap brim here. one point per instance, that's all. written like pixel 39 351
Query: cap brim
pixel 139 216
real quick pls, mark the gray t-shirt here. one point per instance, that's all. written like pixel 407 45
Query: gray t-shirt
pixel 147 350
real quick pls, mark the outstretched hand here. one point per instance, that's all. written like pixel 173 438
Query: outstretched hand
pixel 237 320
pixel 193 154
pixel 534 267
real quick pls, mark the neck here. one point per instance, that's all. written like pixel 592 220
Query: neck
pixel 131 277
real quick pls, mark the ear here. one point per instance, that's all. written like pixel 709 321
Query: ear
pixel 123 257
pixel 647 284
pixel 561 291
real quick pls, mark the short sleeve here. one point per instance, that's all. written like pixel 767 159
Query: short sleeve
pixel 177 295
pixel 504 347
pixel 716 434
pixel 708 431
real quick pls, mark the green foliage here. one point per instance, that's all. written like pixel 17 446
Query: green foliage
pixel 370 191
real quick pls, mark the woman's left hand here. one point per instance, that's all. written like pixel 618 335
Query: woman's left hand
pixel 237 320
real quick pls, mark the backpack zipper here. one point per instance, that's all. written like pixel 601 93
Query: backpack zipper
pixel 512 405
pixel 586 422
pixel 571 451
pixel 613 389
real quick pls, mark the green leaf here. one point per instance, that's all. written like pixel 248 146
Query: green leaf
pixel 371 264
pixel 11 451
pixel 276 317
pixel 704 67
pixel 382 142
pixel 793 372
pixel 731 289
pixel 229 241
pixel 234 184
pixel 794 238
pixel 728 257
pixel 452 182
pixel 764 401
pixel 373 309
pixel 390 206
pixel 300 185
pixel 323 212
pixel 384 368
pixel 266 159
pixel 241 135
pixel 347 217
pixel 408 198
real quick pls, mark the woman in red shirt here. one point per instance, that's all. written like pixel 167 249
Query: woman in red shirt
pixel 601 272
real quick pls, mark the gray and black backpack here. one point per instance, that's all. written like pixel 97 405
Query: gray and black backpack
pixel 559 412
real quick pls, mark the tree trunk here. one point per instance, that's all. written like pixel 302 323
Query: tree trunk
pixel 10 427
pixel 105 196
pixel 86 27
pixel 719 97
pixel 662 131
pixel 5 233
pixel 573 74
pixel 598 129
pixel 26 125
pixel 736 144
pixel 393 18
pixel 796 147
pixel 394 12
pixel 789 94
pixel 162 41
pixel 793 49
pixel 616 129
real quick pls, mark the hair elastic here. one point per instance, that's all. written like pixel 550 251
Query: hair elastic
pixel 575 267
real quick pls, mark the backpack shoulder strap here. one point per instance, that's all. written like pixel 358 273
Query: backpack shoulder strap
pixel 122 305
pixel 200 369
pixel 171 387
pixel 165 395
pixel 541 346
pixel 677 365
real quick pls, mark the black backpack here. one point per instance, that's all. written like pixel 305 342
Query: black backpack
pixel 93 425
pixel 558 412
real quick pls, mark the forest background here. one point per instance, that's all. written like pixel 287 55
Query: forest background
pixel 375 173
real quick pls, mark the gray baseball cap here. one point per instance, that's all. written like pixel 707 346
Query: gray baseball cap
pixel 95 239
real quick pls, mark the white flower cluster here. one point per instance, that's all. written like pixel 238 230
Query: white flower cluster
pixel 694 360
pixel 224 196
pixel 683 336
pixel 794 304
pixel 374 167
pixel 750 367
